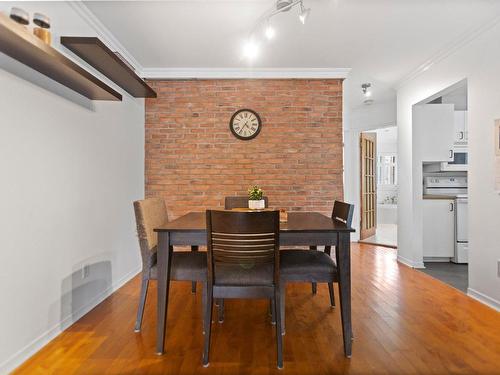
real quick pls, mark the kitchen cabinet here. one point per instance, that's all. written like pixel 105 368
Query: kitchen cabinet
pixel 461 133
pixel 439 228
pixel 434 131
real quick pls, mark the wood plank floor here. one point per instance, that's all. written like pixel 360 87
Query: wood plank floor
pixel 405 322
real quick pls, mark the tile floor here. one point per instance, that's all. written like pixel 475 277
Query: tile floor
pixel 455 275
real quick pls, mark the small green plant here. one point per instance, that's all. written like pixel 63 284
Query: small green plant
pixel 255 193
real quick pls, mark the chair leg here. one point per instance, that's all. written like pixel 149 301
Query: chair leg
pixel 203 304
pixel 273 311
pixel 332 295
pixel 142 302
pixel 282 307
pixel 314 286
pixel 220 311
pixel 193 284
pixel 279 336
pixel 208 325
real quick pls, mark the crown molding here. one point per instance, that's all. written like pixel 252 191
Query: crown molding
pixel 103 32
pixel 452 47
pixel 241 73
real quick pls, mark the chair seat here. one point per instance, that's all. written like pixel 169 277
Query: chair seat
pixel 186 265
pixel 244 275
pixel 307 265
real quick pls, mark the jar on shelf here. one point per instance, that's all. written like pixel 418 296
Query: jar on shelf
pixel 42 31
pixel 20 16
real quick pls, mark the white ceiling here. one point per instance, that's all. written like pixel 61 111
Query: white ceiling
pixel 381 40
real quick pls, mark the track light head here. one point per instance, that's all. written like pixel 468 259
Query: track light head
pixel 304 13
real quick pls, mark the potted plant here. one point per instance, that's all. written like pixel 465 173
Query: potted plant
pixel 255 198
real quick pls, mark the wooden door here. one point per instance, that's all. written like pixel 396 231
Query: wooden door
pixel 368 168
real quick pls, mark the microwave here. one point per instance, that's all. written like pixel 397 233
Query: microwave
pixel 459 163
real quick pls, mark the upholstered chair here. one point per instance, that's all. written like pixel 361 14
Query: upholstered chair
pixel 186 265
pixel 243 262
pixel 312 266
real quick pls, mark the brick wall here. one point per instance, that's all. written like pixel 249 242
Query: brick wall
pixel 194 161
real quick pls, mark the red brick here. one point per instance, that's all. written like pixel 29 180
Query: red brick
pixel 194 161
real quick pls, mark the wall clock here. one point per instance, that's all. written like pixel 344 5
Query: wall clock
pixel 245 124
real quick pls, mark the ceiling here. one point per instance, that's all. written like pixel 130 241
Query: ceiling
pixel 381 40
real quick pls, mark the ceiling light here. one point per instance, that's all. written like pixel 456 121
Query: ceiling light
pixel 304 13
pixel 250 49
pixel 269 32
pixel 365 87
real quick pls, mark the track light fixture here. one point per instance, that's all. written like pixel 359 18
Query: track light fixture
pixel 250 49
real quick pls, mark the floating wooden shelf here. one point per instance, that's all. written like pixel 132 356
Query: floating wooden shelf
pixel 18 43
pixel 95 52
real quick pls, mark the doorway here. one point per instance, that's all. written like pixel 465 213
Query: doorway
pixel 378 187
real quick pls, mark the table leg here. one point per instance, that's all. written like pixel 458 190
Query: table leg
pixel 164 258
pixel 343 255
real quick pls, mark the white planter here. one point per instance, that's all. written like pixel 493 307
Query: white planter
pixel 257 205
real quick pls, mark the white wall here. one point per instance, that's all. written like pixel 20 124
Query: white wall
pixel 70 169
pixel 477 61
pixel 375 116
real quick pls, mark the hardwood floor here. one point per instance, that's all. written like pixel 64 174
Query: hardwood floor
pixel 405 322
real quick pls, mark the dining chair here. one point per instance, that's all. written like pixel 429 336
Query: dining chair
pixel 230 203
pixel 186 265
pixel 312 266
pixel 243 262
pixel 240 202
pixel 338 208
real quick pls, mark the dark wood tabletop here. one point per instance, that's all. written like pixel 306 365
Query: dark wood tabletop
pixel 304 222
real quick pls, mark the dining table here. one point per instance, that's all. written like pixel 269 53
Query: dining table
pixel 300 229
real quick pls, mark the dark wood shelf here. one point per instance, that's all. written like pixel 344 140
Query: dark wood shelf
pixel 97 54
pixel 18 43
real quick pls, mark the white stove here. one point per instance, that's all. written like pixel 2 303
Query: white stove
pixel 455 187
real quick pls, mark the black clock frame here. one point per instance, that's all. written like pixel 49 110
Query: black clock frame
pixel 259 124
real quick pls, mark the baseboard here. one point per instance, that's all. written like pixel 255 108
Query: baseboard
pixel 410 263
pixel 437 259
pixel 377 244
pixel 483 298
pixel 38 343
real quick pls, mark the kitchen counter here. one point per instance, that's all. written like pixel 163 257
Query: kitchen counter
pixel 433 196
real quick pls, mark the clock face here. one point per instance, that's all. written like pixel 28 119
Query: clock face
pixel 245 124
